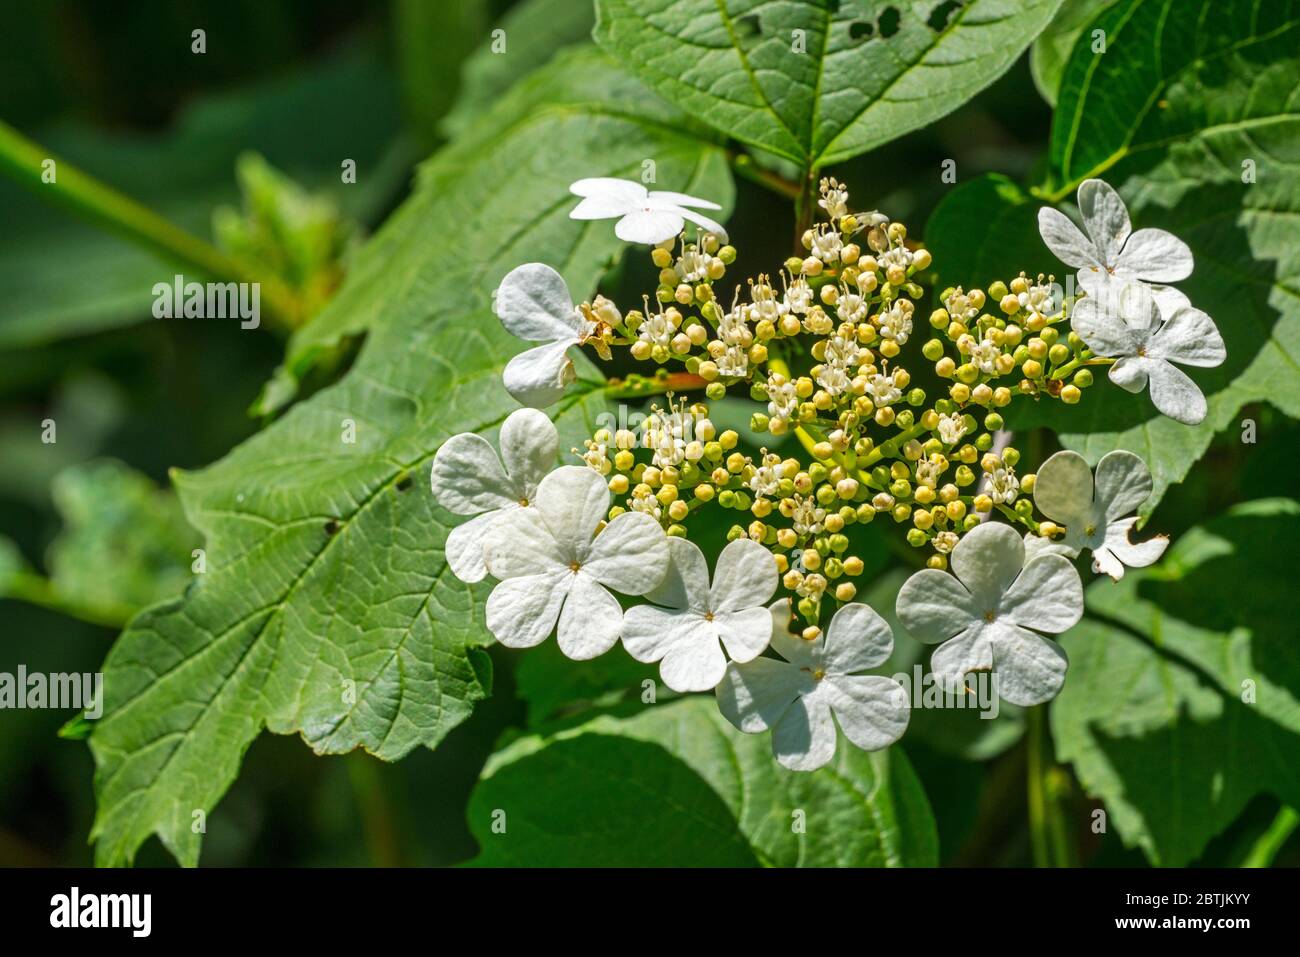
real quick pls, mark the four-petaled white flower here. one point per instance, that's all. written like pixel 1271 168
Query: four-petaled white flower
pixel 1097 514
pixel 533 302
pixel 688 636
pixel 552 570
pixel 467 479
pixel 988 615
pixel 1111 248
pixel 644 216
pixel 1127 326
pixel 801 698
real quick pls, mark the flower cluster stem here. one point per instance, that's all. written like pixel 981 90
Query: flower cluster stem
pixel 1048 784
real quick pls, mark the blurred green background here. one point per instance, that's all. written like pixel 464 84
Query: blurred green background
pixel 115 89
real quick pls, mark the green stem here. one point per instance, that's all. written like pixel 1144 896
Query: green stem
pixel 1272 840
pixel 745 166
pixel 635 385
pixel 22 160
pixel 40 591
pixel 1049 830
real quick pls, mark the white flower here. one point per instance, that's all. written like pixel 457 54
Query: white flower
pixel 882 390
pixel 1097 514
pixel 827 245
pixel 467 479
pixel 551 569
pixel 1147 347
pixel 643 216
pixel 1111 247
pixel 533 302
pixel 896 322
pixel 798 296
pixel 951 428
pixel 687 636
pixel 982 618
pixel 801 698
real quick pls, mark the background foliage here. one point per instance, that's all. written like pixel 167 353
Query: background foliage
pixel 324 566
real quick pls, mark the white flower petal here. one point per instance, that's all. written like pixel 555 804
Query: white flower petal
pixel 697 665
pixel 1105 562
pixel 649 226
pixel 602 207
pixel 650 632
pixel 745 633
pixel 529 446
pixel 519 543
pixel 1188 337
pixel 1105 333
pixel 1131 553
pixel 1065 240
pixel 745 576
pixel 872 711
pixel 630 554
pixel 628 190
pixel 573 501
pixel 1105 217
pixel 1063 488
pixel 1123 483
pixel 1130 373
pixel 856 639
pixel 754 696
pixel 522 612
pixel 987 560
pixel 464 548
pixel 804 738
pixel 933 606
pixel 662 197
pixel 969 651
pixel 591 619
pixel 1154 255
pixel 533 303
pixel 1175 394
pixel 792 647
pixel 1030 669
pixel 1048 596
pixel 711 225
pixel 467 478
pixel 686 583
pixel 538 377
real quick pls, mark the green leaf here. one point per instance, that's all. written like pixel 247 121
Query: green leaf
pixel 303 126
pixel 678 786
pixel 552 685
pixel 1185 95
pixel 817 81
pixel 530 35
pixel 986 229
pixel 1183 698
pixel 1051 51
pixel 328 609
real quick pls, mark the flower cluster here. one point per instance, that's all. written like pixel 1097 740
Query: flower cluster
pixel 819 347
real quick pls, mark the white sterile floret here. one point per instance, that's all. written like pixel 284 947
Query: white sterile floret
pixel 801 699
pixel 1111 248
pixel 1128 327
pixel 987 614
pixel 643 216
pixel 534 304
pixel 1097 513
pixel 698 619
pixel 556 565
pixel 467 478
